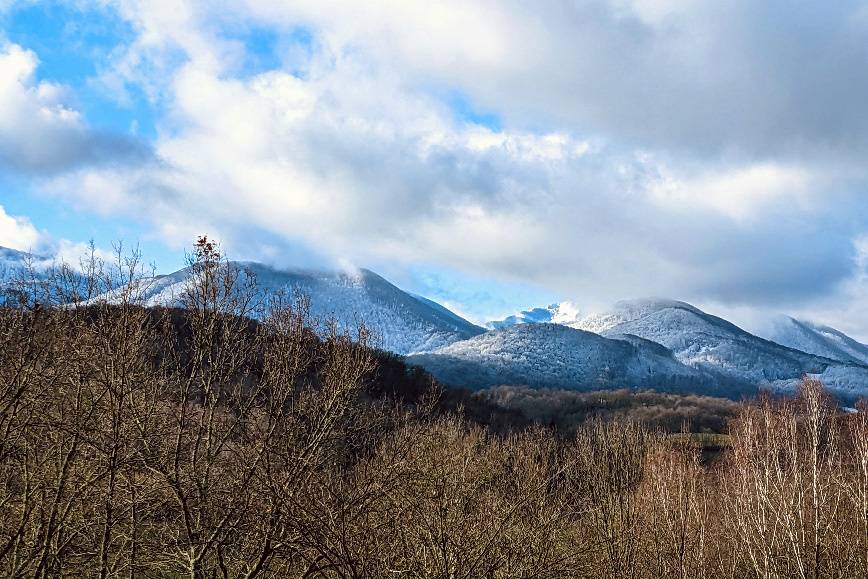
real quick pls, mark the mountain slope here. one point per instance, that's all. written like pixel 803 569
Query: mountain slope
pixel 553 355
pixel 401 323
pixel 818 339
pixel 12 259
pixel 21 274
pixel 704 341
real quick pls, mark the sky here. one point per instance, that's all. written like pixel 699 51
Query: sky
pixel 491 155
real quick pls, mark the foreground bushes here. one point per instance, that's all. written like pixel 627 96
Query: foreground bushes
pixel 136 442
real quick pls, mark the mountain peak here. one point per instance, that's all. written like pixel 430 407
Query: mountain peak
pixel 629 311
pixel 652 304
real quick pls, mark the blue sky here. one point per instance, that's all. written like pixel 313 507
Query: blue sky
pixel 494 156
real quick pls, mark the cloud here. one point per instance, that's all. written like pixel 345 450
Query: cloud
pixel 40 132
pixel 17 232
pixel 742 77
pixel 709 152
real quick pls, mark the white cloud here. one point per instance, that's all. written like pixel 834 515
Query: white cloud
pixel 675 148
pixel 18 233
pixel 35 124
pixel 695 77
pixel 40 132
pixel 740 193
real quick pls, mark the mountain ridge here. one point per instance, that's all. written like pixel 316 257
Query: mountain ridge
pixel 638 343
pixel 818 339
pixel 401 323
pixel 555 355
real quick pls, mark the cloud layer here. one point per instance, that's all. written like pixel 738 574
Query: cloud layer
pixel 706 151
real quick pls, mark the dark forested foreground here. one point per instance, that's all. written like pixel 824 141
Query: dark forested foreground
pixel 196 443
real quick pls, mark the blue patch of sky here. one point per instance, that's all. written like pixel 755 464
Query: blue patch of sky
pixel 465 110
pixel 72 43
pixel 267 49
pixel 261 48
pixel 479 298
pixel 61 221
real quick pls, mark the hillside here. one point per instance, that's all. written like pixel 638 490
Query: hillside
pixel 552 355
pixel 707 342
pixel 401 323
pixel 818 339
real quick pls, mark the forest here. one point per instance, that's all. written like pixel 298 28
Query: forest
pixel 196 442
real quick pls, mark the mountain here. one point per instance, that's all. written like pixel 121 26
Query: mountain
pixel 562 313
pixel 11 259
pixel 21 273
pixel 706 342
pixel 817 339
pixel 557 356
pixel 401 322
pixel 661 344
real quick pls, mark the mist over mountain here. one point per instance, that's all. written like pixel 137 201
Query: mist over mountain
pixel 12 260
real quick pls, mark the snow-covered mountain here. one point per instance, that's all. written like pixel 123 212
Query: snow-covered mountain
pixel 644 343
pixel 553 355
pixel 19 271
pixel 11 259
pixel 704 341
pixel 562 313
pixel 661 344
pixel 817 339
pixel 401 322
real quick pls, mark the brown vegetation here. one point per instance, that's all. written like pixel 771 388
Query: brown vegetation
pixel 157 443
pixel 568 410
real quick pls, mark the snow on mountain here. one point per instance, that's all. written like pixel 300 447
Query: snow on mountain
pixel 11 256
pixel 707 342
pixel 18 272
pixel 401 323
pixel 627 311
pixel 655 343
pixel 562 313
pixel 553 355
pixel 817 339
pixel 12 259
